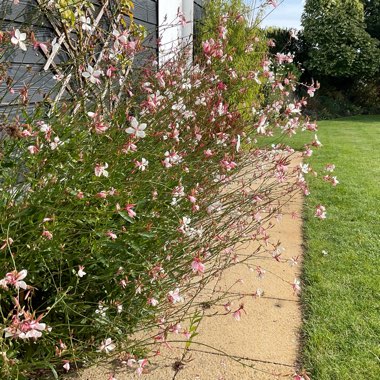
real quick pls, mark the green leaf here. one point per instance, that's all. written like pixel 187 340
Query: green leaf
pixel 125 217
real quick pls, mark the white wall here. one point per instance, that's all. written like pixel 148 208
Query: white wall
pixel 174 35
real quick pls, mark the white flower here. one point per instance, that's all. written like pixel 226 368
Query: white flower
pixel 153 302
pixel 81 271
pixel 44 127
pixel 186 221
pixel 200 101
pixel 179 106
pixel 107 346
pixel 55 45
pixel 66 366
pixel 18 39
pixel 86 23
pixel 136 129
pixel 55 143
pixel 92 75
pixel 238 142
pixel 143 164
pixel 304 168
pixel 174 296
pixel 293 34
pixel 101 311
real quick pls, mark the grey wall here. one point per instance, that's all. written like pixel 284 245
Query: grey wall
pixel 198 9
pixel 26 68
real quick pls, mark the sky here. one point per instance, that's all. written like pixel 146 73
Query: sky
pixel 287 14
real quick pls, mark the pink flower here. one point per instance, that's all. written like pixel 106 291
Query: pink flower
pixel 111 69
pixel 197 266
pixel 208 153
pixel 33 149
pixel 176 329
pixel 47 234
pixel 237 314
pixel 308 152
pixel 320 212
pixel 182 18
pixel 15 279
pixel 102 194
pixel 129 208
pixel 227 306
pixel 6 242
pixel 25 328
pixel 101 170
pixel 260 272
pixel 228 165
pixel 208 46
pixel 129 147
pixel 296 286
pixel 142 363
pixel 284 58
pixel 111 235
pixel 330 167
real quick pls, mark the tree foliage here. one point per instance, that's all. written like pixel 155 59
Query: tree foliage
pixel 340 46
pixel 245 43
pixel 372 17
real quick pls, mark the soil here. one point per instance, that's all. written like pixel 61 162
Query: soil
pixel 265 339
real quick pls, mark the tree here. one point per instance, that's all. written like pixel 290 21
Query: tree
pixel 340 46
pixel 372 17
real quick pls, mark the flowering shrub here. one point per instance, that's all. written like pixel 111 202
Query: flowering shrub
pixel 119 207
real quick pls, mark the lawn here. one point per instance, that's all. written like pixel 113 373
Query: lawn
pixel 341 289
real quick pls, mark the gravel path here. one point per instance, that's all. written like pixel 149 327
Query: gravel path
pixel 267 335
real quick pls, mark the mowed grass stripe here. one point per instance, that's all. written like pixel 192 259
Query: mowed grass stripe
pixel 341 292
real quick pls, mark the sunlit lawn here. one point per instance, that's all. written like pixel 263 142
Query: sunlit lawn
pixel 341 294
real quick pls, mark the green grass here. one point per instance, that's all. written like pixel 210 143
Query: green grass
pixel 341 293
